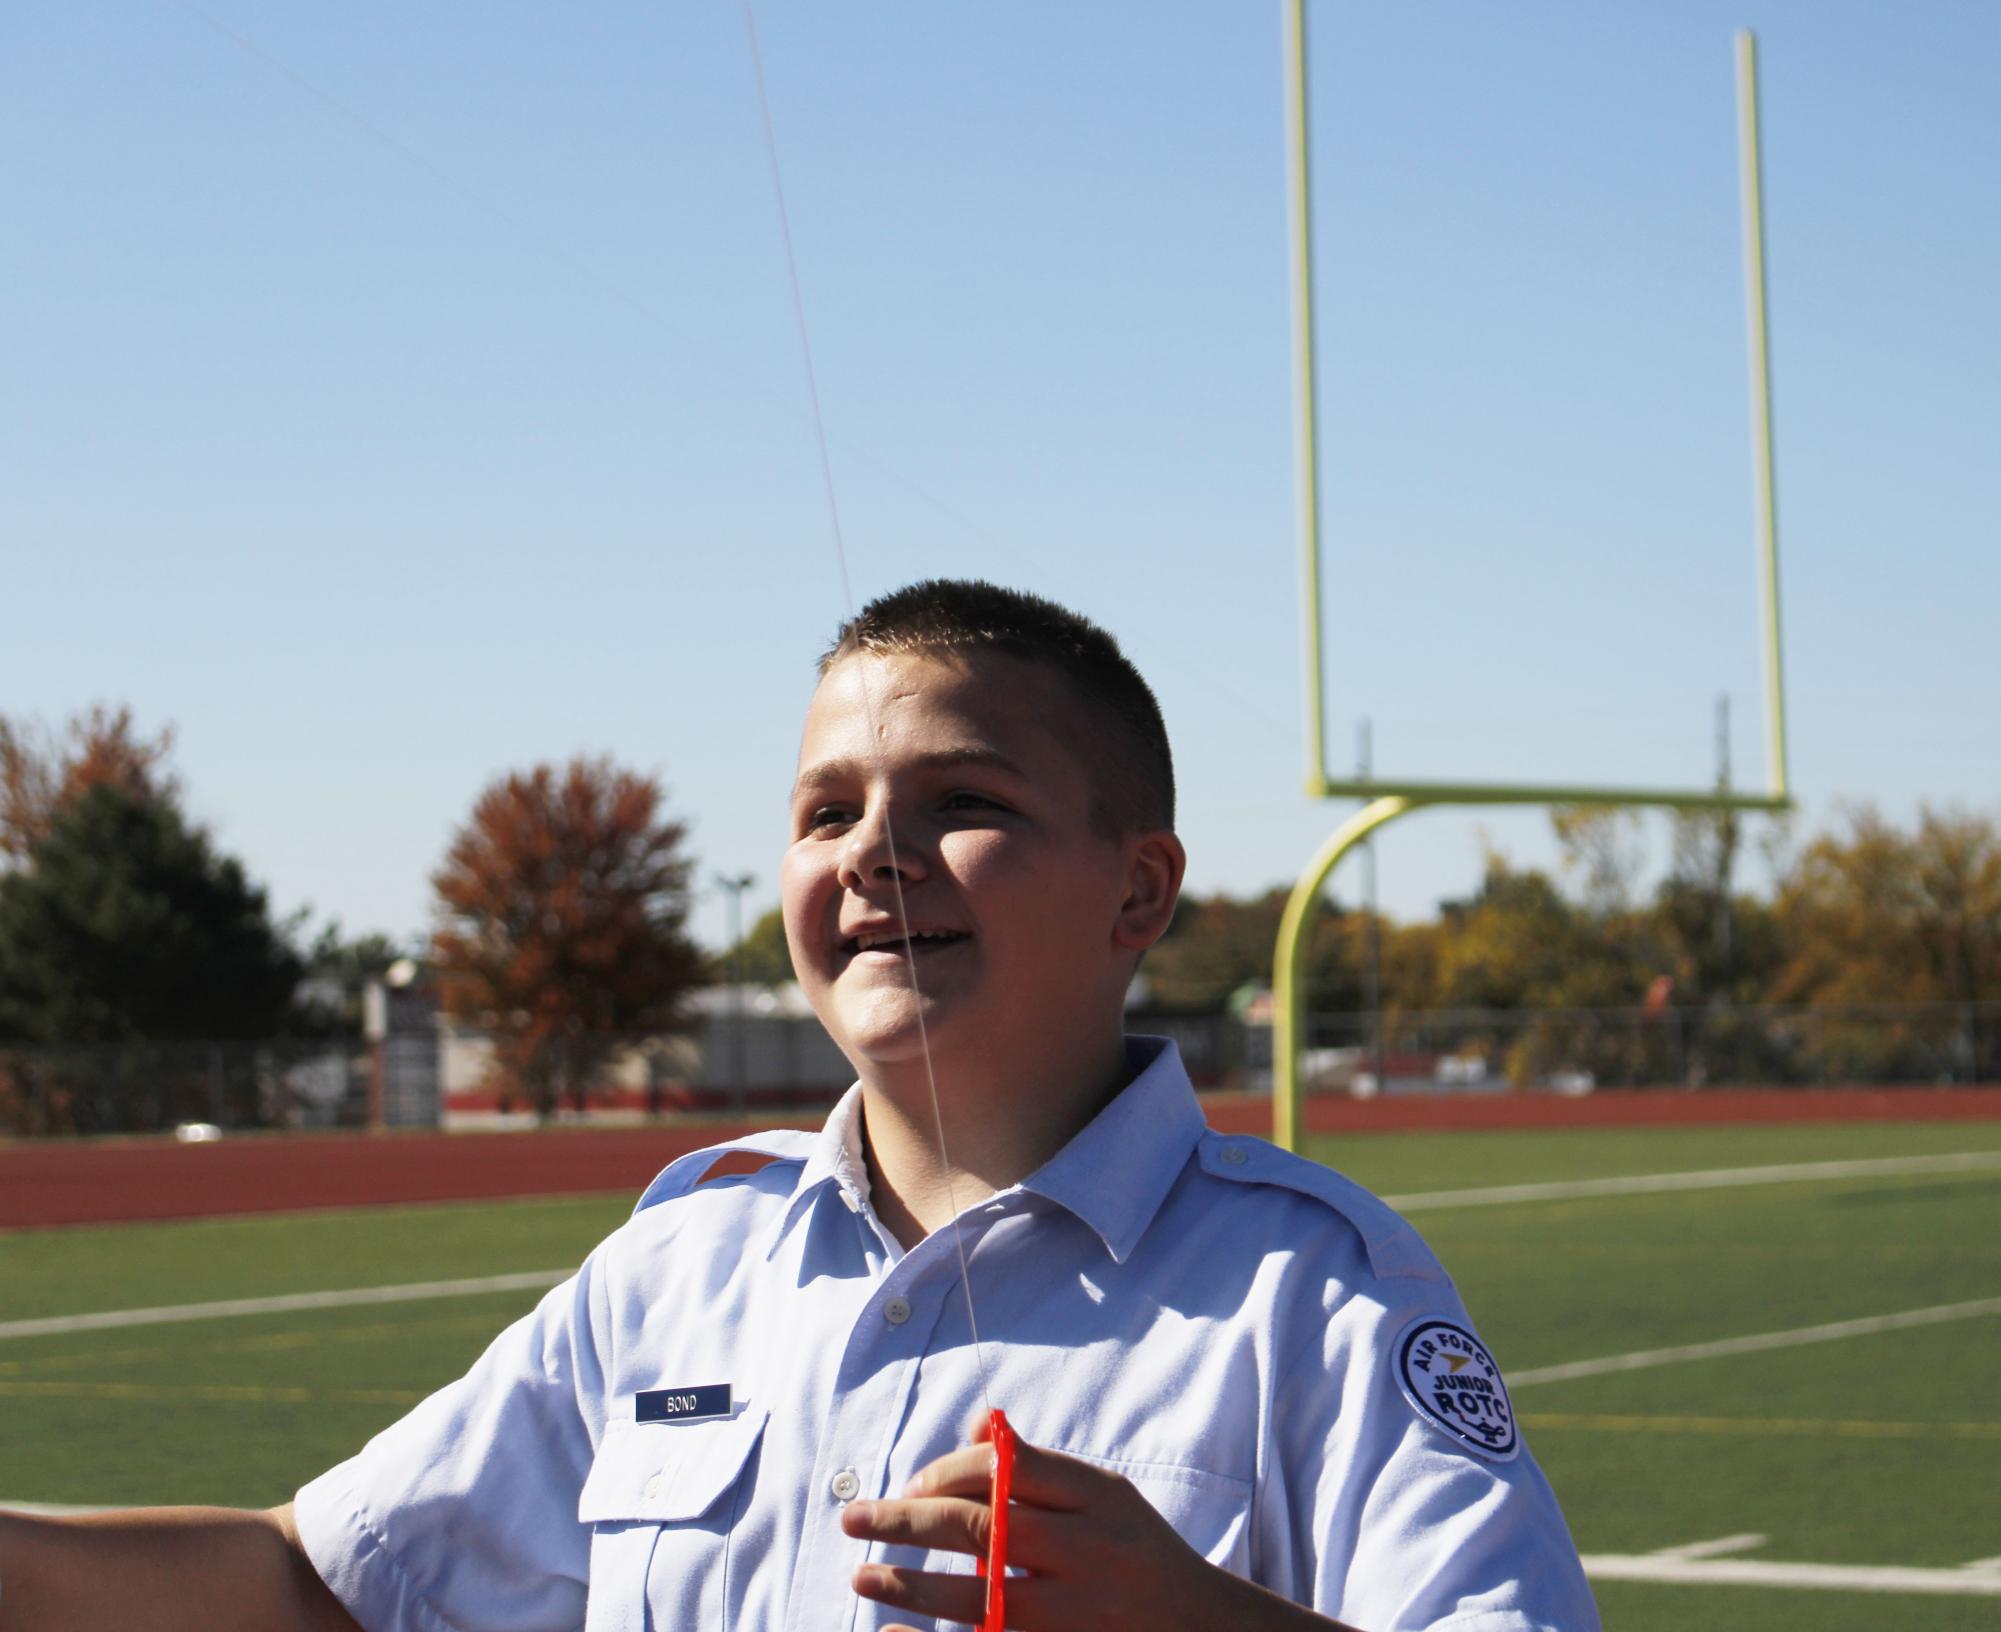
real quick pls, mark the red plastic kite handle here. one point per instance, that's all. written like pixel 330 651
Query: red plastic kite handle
pixel 994 1566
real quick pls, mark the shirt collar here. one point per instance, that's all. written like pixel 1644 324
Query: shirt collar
pixel 1113 1175
pixel 836 1161
pixel 1116 1173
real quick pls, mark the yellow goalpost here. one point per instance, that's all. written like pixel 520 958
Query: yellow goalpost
pixel 1385 800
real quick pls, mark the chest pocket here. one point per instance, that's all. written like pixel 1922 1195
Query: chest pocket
pixel 672 1486
pixel 1209 1511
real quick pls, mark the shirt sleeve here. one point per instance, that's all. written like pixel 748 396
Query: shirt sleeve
pixel 1393 1506
pixel 462 1517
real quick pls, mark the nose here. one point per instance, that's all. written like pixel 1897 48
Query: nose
pixel 880 849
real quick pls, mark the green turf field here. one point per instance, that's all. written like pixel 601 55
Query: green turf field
pixel 1875 1447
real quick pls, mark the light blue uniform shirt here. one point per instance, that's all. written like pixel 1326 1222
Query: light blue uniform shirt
pixel 1267 1352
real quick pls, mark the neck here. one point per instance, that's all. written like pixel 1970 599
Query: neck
pixel 999 1127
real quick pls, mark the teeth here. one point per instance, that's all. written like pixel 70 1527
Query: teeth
pixel 870 941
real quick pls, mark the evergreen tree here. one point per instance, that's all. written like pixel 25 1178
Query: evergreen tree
pixel 126 924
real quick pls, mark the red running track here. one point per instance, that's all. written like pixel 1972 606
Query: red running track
pixel 131 1180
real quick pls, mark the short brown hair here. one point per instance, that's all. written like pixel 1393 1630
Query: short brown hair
pixel 1131 764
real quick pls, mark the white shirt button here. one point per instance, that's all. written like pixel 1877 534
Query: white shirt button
pixel 1235 1155
pixel 653 1487
pixel 845 1486
pixel 896 1311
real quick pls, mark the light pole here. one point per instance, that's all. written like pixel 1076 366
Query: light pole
pixel 734 886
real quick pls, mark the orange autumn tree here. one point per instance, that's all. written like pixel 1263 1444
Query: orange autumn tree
pixel 561 907
pixel 44 772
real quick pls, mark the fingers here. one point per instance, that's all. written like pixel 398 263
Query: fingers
pixel 944 1524
pixel 1041 1478
pixel 960 1598
pixel 1095 1551
pixel 941 1524
pixel 965 1472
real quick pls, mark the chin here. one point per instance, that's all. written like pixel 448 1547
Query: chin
pixel 886 1031
pixel 891 1046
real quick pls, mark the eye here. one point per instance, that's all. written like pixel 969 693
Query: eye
pixel 825 816
pixel 969 801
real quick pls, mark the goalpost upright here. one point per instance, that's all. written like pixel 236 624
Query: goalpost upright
pixel 1385 800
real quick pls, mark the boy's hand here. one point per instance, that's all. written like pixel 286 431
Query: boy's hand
pixel 1098 1555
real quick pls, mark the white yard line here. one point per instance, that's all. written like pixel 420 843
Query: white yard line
pixel 287 1303
pixel 1758 1343
pixel 1745 1572
pixel 51 1510
pixel 1716 1178
pixel 1712 1549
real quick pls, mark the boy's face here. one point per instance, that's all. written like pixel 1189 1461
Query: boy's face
pixel 1013 898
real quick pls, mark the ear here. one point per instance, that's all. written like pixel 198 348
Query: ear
pixel 1155 863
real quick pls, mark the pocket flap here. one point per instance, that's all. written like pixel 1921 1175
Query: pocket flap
pixel 657 1472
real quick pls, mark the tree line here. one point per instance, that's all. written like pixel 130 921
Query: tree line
pixel 559 921
pixel 560 912
pixel 1867 913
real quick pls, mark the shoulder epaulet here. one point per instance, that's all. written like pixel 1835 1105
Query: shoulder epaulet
pixel 1394 1248
pixel 731 1159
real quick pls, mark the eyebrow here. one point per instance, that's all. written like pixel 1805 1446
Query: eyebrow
pixel 815 777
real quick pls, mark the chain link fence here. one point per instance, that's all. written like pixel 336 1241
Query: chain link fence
pixel 1575 1050
pixel 149 1087
pixel 752 1063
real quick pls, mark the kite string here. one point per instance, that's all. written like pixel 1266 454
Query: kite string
pixel 868 695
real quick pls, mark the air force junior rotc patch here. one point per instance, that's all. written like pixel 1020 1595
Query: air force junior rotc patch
pixel 1450 1377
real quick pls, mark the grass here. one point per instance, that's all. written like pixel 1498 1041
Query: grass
pixel 121 1266
pixel 1631 1606
pixel 1875 1449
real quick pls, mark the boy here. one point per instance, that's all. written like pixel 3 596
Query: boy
pixel 1226 1365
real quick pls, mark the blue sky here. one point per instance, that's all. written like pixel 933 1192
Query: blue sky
pixel 398 395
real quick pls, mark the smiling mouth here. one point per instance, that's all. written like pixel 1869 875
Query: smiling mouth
pixel 889 944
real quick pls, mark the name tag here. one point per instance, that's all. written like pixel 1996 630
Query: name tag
pixel 681 1404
